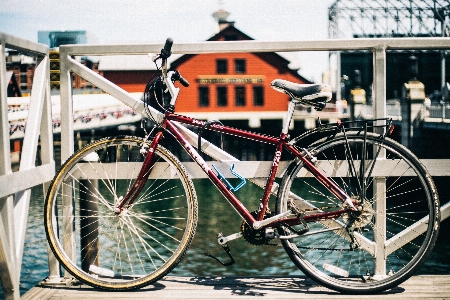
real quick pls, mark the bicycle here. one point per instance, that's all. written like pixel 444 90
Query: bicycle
pixel 355 211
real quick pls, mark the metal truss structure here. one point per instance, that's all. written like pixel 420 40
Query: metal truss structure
pixel 389 18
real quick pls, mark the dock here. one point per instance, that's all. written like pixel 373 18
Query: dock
pixel 268 287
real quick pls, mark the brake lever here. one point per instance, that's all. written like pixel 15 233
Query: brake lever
pixel 153 56
pixel 177 76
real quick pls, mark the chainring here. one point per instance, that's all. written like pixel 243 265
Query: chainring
pixel 253 236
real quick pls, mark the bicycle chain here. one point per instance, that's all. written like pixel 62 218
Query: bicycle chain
pixel 319 208
pixel 315 248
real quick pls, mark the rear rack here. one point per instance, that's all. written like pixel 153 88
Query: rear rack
pixel 382 126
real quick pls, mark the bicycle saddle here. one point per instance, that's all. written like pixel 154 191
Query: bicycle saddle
pixel 316 95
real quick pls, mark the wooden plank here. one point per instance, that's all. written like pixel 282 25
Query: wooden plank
pixel 270 287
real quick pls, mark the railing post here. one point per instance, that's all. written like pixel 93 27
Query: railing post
pixel 379 111
pixel 67 149
pixel 67 137
pixel 46 142
pixel 28 157
pixel 9 274
pixel 379 101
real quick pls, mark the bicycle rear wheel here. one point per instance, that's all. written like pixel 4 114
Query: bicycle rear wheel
pixel 386 242
pixel 126 250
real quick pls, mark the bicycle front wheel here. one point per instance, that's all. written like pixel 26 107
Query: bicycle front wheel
pixel 383 244
pixel 130 249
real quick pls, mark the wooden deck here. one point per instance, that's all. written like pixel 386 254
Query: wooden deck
pixel 180 288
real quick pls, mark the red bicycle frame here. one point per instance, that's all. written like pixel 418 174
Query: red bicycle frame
pixel 280 144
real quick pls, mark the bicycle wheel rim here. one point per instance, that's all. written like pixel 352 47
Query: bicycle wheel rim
pixel 119 251
pixel 396 179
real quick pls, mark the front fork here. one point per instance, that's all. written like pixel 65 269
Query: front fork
pixel 141 179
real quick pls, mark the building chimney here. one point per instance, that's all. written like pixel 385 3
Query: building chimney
pixel 221 18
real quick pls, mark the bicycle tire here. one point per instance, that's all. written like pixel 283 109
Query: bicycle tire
pixel 394 176
pixel 127 250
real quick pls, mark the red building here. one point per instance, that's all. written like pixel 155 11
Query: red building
pixel 220 83
pixel 224 82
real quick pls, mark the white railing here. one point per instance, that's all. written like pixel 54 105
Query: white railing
pixel 15 186
pixel 379 110
pixel 438 112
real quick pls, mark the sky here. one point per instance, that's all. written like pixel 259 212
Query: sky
pixel 152 21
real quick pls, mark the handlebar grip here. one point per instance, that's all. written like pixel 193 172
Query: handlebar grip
pixel 177 76
pixel 183 82
pixel 166 51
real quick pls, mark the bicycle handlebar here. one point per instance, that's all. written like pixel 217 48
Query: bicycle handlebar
pixel 166 51
pixel 168 77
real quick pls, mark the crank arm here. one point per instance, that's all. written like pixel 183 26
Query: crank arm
pixel 222 240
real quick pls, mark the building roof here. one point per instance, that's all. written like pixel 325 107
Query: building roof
pixel 227 32
pixel 231 33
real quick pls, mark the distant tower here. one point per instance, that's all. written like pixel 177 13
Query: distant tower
pixel 221 18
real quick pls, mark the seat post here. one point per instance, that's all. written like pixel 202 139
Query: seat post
pixel 289 114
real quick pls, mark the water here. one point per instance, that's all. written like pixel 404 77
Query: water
pixel 215 216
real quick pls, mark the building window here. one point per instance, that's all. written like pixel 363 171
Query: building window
pixel 258 96
pixel 222 96
pixel 203 96
pixel 222 66
pixel 239 65
pixel 240 95
pixel 231 37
